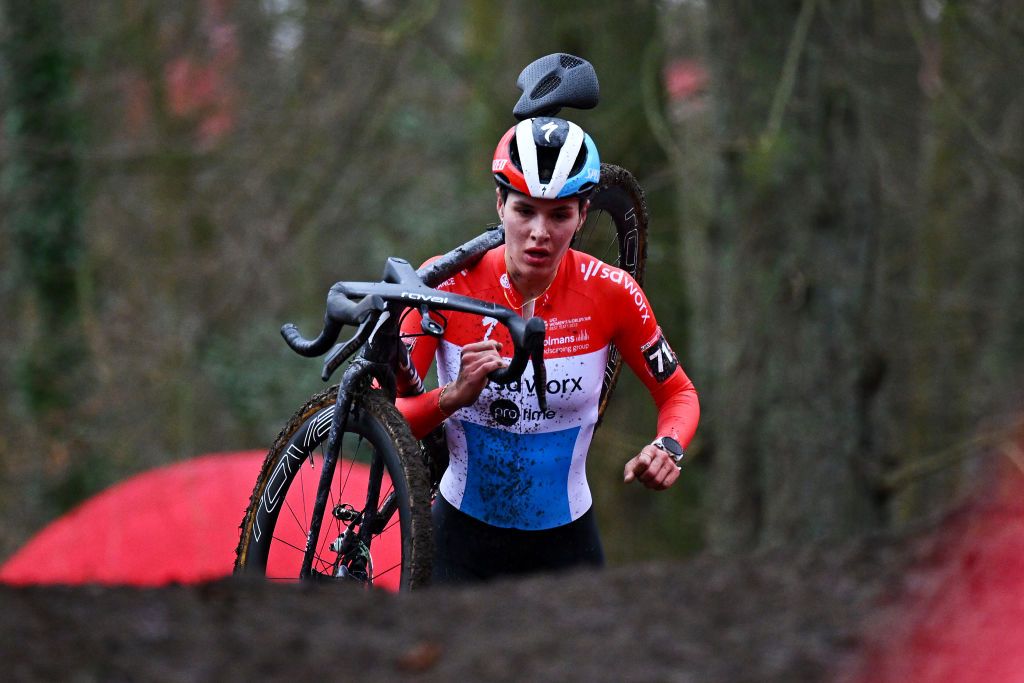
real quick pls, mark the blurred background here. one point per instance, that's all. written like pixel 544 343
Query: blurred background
pixel 837 250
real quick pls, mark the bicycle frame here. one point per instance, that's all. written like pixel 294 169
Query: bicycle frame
pixel 381 352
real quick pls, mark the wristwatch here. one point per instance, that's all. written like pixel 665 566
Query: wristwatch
pixel 670 446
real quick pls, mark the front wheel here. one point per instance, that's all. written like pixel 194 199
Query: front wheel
pixel 376 528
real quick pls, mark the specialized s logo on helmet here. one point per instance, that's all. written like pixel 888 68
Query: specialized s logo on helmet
pixel 542 133
pixel 547 158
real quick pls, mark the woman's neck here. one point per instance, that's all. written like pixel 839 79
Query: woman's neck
pixel 530 288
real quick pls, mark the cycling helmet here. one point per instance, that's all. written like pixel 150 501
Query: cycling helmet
pixel 547 158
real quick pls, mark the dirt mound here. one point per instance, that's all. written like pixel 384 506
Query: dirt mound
pixel 779 616
pixel 942 605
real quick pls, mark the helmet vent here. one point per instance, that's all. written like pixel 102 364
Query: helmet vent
pixel 548 84
pixel 568 61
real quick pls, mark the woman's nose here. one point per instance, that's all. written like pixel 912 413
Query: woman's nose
pixel 540 230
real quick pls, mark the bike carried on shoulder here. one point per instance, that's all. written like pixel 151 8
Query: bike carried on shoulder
pixel 344 493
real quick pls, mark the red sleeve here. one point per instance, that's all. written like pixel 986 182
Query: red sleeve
pixel 647 352
pixel 423 413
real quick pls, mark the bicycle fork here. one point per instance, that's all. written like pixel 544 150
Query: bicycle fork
pixel 356 372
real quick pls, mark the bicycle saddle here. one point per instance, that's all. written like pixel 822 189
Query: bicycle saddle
pixel 555 81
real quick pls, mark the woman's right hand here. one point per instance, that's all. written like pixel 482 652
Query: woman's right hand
pixel 479 359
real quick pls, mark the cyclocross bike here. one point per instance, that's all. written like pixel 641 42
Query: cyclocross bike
pixel 344 493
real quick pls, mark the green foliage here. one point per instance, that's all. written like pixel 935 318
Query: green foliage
pixel 38 373
pixel 771 161
pixel 258 380
pixel 83 478
pixel 40 184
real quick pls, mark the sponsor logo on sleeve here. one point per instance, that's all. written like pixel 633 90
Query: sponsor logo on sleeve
pixel 605 272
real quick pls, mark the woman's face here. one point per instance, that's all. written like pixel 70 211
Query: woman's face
pixel 537 235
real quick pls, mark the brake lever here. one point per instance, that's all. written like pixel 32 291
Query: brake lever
pixel 340 353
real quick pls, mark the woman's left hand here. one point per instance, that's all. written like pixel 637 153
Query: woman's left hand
pixel 653 467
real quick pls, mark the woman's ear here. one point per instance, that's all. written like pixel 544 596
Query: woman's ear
pixel 583 214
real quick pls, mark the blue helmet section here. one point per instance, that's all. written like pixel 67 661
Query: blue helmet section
pixel 589 175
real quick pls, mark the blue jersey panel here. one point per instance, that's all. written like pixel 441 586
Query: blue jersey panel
pixel 518 480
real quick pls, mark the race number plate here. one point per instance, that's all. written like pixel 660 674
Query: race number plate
pixel 661 360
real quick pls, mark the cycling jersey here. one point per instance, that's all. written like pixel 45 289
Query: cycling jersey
pixel 512 465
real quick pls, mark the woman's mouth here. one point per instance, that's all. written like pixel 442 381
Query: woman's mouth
pixel 536 256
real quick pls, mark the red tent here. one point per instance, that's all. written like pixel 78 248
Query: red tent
pixel 173 524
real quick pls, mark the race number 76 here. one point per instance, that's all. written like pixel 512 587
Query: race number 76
pixel 661 361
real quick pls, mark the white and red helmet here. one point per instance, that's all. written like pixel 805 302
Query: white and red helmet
pixel 547 158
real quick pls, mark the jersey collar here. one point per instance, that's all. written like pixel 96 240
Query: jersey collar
pixel 513 299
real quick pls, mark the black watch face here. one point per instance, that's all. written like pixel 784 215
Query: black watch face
pixel 672 446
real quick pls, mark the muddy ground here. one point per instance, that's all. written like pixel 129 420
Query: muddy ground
pixel 944 603
pixel 788 615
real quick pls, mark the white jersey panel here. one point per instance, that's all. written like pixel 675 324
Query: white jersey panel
pixel 513 465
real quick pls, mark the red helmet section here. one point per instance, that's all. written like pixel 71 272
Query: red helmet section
pixel 506 172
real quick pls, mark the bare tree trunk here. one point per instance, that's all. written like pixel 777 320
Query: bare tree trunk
pixel 864 261
pixel 790 276
pixel 965 347
pixel 43 189
pixel 49 386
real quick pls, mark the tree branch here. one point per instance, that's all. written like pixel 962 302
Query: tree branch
pixel 993 155
pixel 653 113
pixel 902 477
pixel 784 92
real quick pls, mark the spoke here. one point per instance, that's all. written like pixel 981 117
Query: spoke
pixel 296 548
pixel 383 511
pixel 323 541
pixel 302 482
pixel 331 501
pixel 290 545
pixel 592 233
pixel 304 527
pixel 377 575
pixel 348 472
pixel 612 245
pixel 298 522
